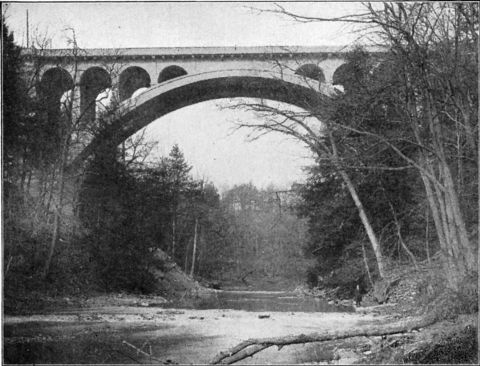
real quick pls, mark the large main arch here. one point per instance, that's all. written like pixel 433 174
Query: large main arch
pixel 136 113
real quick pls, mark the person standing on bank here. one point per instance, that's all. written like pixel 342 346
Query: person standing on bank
pixel 358 296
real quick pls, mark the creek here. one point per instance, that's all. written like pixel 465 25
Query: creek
pixel 282 301
pixel 174 332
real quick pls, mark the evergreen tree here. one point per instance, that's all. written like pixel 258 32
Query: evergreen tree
pixel 180 183
pixel 13 99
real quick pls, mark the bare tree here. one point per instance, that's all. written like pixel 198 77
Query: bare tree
pixel 434 46
pixel 59 186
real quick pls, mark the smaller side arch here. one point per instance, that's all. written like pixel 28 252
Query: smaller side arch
pixel 131 79
pixel 93 81
pixel 311 71
pixel 53 84
pixel 171 72
pixel 343 75
pixel 55 81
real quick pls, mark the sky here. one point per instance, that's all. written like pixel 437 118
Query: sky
pixel 204 132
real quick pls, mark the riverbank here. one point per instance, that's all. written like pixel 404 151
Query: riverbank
pixel 172 284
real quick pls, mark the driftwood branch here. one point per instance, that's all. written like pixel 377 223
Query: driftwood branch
pixel 252 346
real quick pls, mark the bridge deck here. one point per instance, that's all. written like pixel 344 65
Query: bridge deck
pixel 200 51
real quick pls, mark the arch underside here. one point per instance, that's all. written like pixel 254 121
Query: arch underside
pixel 136 113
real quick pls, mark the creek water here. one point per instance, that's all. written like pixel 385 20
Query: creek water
pixel 181 332
pixel 284 301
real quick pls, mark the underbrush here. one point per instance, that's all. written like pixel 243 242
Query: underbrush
pixel 446 342
pixel 342 281
pixel 422 292
pixel 457 346
pixel 80 264
pixel 74 275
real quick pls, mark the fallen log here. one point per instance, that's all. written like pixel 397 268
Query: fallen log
pixel 252 346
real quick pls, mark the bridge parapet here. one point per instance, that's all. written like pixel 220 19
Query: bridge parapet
pixel 153 53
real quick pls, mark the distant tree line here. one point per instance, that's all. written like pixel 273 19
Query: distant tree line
pixel 265 238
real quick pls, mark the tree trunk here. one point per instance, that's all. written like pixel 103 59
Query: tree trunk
pixel 427 248
pixel 400 237
pixel 172 249
pixel 252 346
pixel 67 134
pixel 23 175
pixel 53 242
pixel 58 208
pixel 454 266
pixel 194 253
pixel 185 263
pixel 29 181
pixel 462 255
pixel 365 261
pixel 366 223
pixel 459 223
pixel 361 210
pixel 51 189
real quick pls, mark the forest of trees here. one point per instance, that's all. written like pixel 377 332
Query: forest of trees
pixel 395 179
pixel 128 213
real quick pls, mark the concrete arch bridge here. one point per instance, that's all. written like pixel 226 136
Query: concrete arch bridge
pixel 145 84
